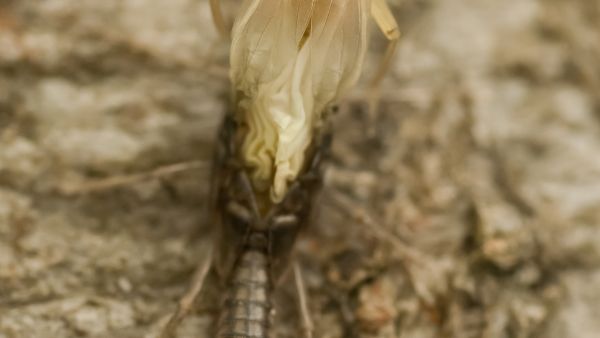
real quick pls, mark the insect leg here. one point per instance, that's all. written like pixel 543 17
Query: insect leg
pixel 185 303
pixel 217 15
pixel 381 13
pixel 249 191
pixel 384 18
pixel 307 324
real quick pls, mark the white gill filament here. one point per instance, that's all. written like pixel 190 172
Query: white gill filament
pixel 284 85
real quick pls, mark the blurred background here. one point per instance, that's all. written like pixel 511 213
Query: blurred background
pixel 468 206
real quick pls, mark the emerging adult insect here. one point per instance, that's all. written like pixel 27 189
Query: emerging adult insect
pixel 290 61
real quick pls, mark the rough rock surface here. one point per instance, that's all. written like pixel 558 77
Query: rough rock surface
pixel 468 206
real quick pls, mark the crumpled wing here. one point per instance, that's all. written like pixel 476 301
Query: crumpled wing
pixel 265 35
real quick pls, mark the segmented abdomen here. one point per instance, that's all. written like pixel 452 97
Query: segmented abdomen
pixel 246 308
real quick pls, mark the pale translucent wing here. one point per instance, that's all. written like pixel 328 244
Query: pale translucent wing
pixel 339 47
pixel 266 70
pixel 257 29
pixel 266 34
pixel 304 10
pixel 289 60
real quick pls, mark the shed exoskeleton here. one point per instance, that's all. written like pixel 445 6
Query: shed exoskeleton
pixel 256 236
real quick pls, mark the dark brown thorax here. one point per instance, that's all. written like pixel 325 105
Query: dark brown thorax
pixel 241 212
